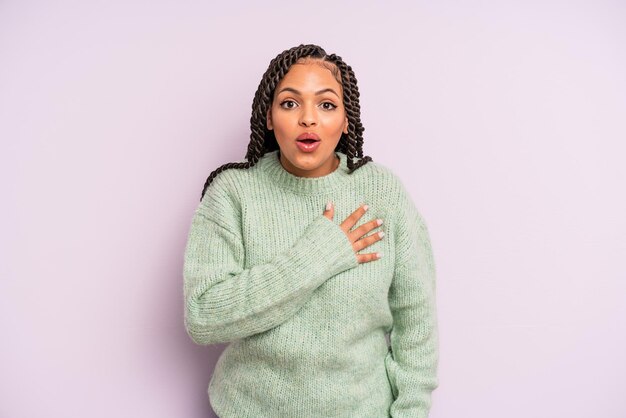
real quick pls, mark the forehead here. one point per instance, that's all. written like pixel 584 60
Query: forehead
pixel 309 77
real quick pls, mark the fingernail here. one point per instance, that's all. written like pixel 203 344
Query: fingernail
pixel 379 255
pixel 328 206
pixel 379 221
pixel 381 234
pixel 365 207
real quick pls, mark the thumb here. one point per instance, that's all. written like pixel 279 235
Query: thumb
pixel 330 211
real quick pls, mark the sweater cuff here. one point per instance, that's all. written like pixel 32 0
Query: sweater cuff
pixel 340 253
pixel 322 251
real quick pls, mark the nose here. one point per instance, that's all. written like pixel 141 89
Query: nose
pixel 308 116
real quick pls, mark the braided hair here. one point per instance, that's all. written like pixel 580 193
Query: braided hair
pixel 262 140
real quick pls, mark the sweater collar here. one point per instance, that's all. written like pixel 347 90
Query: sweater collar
pixel 270 164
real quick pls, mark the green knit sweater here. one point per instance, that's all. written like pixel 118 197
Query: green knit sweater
pixel 265 270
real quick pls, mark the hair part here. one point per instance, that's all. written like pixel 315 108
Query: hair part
pixel 262 140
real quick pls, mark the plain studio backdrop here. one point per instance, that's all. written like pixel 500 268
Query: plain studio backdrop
pixel 505 120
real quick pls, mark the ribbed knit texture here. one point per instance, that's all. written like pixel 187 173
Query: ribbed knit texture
pixel 265 270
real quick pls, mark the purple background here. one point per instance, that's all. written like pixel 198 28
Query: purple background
pixel 506 121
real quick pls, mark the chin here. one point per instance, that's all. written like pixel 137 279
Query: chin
pixel 311 158
pixel 307 161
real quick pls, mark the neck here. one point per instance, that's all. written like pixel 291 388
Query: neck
pixel 270 163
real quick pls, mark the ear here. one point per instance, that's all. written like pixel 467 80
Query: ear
pixel 345 126
pixel 268 118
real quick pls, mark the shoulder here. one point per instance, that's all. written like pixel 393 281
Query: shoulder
pixel 387 179
pixel 395 193
pixel 404 208
pixel 410 229
pixel 221 187
pixel 222 198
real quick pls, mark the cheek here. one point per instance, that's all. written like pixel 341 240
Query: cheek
pixel 333 121
pixel 284 121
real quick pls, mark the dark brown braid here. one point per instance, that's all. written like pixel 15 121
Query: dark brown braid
pixel 263 140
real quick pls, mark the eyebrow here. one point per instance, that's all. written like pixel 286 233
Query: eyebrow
pixel 316 93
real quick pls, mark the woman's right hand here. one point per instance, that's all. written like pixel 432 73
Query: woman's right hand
pixel 355 237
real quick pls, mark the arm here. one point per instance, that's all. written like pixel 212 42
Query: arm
pixel 225 302
pixel 413 360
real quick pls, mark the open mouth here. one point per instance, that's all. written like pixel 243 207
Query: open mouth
pixel 308 144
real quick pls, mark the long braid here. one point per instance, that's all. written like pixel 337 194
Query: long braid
pixel 263 140
pixel 353 147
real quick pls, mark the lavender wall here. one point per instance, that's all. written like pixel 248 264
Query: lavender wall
pixel 504 119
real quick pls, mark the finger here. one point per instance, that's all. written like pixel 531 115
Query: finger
pixel 353 218
pixel 329 212
pixel 366 258
pixel 367 241
pixel 365 228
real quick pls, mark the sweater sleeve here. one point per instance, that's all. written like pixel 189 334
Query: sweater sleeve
pixel 225 302
pixel 412 360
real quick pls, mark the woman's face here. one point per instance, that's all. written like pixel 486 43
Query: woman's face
pixel 308 100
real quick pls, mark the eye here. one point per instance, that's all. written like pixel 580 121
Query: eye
pixel 287 107
pixel 333 107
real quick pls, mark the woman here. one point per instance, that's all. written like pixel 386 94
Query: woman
pixel 306 302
